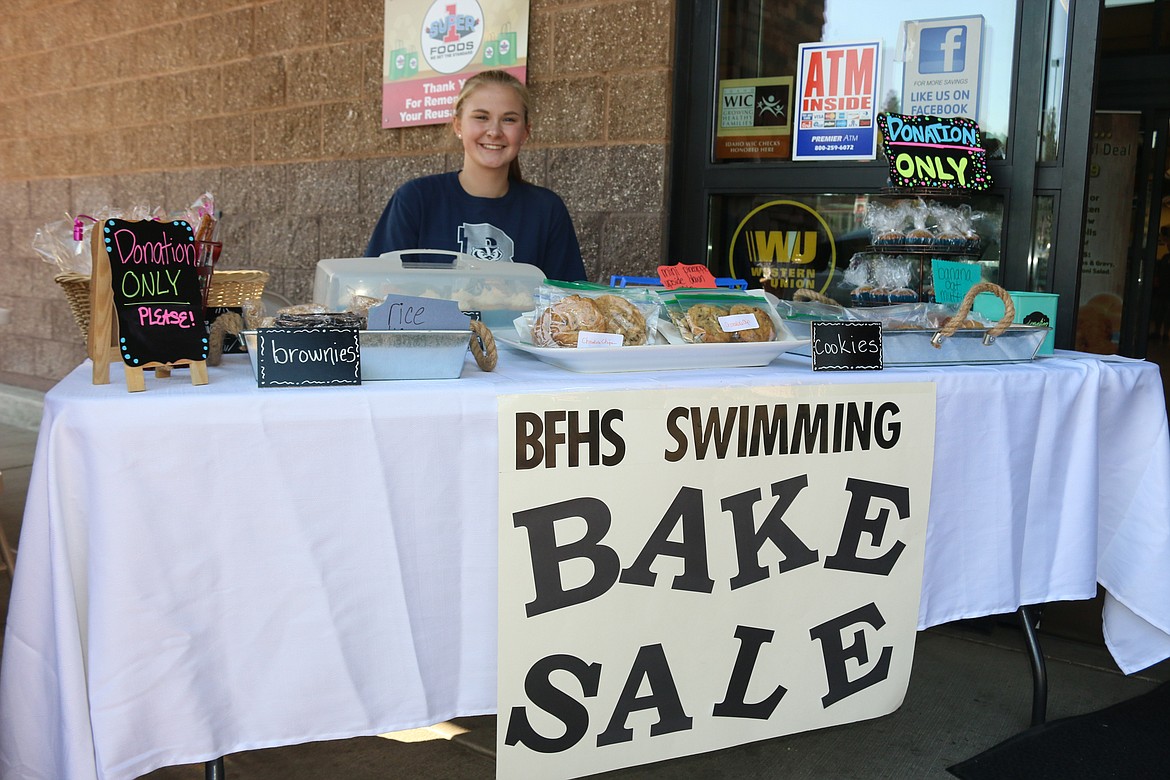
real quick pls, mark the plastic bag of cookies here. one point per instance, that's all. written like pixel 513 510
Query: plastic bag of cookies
pixel 722 316
pixel 572 314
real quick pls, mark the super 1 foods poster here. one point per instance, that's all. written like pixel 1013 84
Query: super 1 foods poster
pixel 431 48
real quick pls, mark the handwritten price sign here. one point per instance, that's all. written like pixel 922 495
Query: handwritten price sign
pixel 685 275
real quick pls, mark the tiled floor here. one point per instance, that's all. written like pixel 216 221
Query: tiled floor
pixel 970 688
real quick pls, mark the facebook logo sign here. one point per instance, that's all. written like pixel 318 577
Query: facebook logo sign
pixel 944 49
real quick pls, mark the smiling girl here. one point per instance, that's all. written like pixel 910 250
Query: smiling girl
pixel 486 209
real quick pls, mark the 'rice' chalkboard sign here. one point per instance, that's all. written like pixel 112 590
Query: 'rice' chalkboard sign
pixel 145 298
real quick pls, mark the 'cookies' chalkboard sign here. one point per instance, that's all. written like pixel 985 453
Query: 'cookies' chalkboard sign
pixel 154 278
pixel 846 346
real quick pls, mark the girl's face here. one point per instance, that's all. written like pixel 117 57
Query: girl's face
pixel 491 126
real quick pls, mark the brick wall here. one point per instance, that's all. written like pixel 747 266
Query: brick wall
pixel 274 107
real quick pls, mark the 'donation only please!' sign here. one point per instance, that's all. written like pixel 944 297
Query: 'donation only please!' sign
pixel 154 281
pixel 685 570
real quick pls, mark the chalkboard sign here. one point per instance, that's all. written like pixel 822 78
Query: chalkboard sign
pixel 299 357
pixel 847 346
pixel 934 152
pixel 158 303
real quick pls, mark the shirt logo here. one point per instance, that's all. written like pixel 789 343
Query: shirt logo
pixel 484 241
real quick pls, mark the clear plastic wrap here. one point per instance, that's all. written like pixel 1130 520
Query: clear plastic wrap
pixel 285 319
pixel 722 316
pixel 879 279
pixel 921 225
pixel 65 243
pixel 886 223
pixel 905 316
pixel 564 310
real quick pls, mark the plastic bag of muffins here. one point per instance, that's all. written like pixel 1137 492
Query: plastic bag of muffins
pixel 878 279
pixel 917 224
pixel 904 316
pixel 722 316
pixel 573 314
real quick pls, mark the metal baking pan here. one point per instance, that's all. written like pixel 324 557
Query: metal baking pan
pixel 912 347
pixel 1017 344
pixel 401 354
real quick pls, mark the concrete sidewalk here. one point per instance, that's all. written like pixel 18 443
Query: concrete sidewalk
pixel 970 688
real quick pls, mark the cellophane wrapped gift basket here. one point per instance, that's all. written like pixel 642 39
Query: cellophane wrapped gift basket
pixel 65 244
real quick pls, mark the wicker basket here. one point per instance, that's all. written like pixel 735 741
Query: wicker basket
pixel 76 287
pixel 228 289
pixel 234 288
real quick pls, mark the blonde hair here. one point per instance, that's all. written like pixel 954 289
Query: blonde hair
pixel 503 78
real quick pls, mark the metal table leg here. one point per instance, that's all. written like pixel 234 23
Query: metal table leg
pixel 213 770
pixel 1039 671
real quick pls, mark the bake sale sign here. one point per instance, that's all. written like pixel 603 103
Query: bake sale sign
pixel 688 569
pixel 836 101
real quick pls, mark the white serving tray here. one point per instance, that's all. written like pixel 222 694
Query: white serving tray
pixel 656 357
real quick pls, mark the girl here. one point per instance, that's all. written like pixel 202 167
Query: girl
pixel 486 209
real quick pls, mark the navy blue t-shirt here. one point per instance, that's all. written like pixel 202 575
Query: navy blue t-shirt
pixel 530 224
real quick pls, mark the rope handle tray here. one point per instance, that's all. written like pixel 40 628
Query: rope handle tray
pixel 958 341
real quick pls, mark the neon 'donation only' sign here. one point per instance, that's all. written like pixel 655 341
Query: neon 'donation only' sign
pixel 934 152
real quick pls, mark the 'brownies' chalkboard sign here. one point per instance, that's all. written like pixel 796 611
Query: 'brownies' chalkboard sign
pixel 301 357
pixel 154 277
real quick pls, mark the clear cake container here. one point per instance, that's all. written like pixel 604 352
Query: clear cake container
pixel 500 291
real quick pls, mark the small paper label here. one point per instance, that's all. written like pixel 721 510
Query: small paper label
pixel 685 275
pixel 408 312
pixel 587 339
pixel 733 322
pixel 952 279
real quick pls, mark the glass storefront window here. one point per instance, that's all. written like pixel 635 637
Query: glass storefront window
pixel 833 244
pixel 1106 247
pixel 957 63
pixel 1051 119
pixel 1043 210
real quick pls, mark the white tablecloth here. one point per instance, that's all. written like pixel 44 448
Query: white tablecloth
pixel 205 570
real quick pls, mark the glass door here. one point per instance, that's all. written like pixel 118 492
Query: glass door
pixel 751 199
